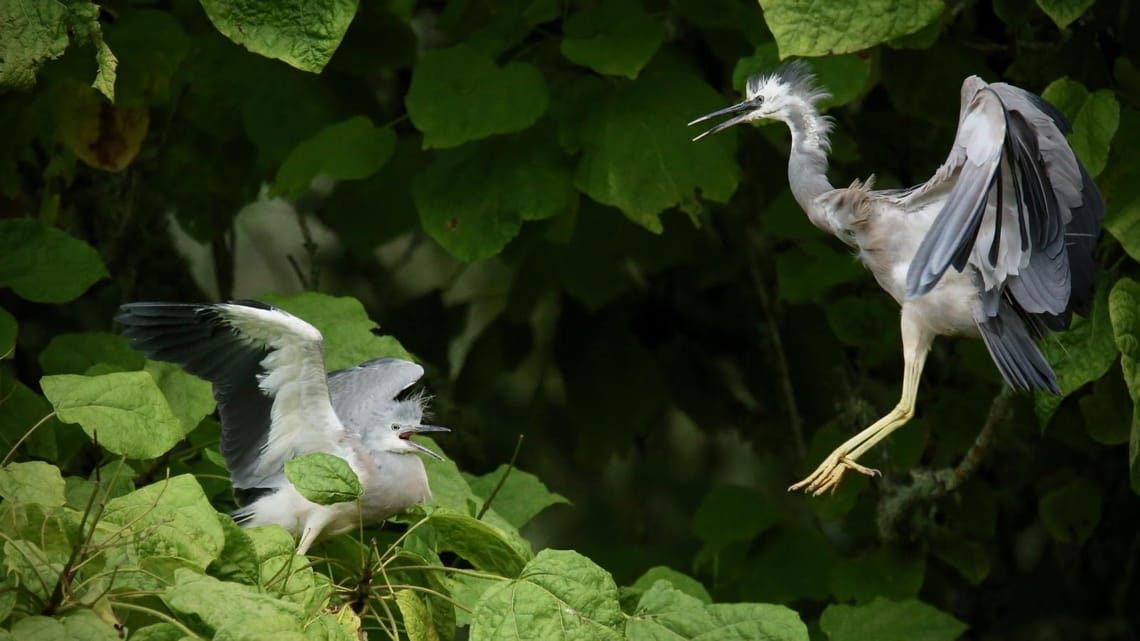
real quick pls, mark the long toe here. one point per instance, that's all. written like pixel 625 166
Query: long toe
pixel 862 469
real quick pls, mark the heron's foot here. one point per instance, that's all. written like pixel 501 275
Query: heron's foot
pixel 829 473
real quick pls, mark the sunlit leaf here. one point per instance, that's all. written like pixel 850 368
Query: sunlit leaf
pixel 826 27
pixel 32 482
pixel 170 518
pixel 124 412
pixel 323 478
pixel 560 595
pixel 302 33
pixel 667 613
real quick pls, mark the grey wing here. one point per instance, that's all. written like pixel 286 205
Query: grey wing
pixel 360 393
pixel 196 338
pixel 1021 210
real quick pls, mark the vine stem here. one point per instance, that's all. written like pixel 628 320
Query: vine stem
pixel 502 479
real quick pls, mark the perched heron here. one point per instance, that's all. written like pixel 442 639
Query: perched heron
pixel 276 403
pixel 1011 209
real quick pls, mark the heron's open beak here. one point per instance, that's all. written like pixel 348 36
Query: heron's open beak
pixel 743 109
pixel 407 431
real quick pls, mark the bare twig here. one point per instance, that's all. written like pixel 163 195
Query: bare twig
pixel 781 357
pixel 502 480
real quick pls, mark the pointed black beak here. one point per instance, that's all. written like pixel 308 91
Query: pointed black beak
pixel 743 109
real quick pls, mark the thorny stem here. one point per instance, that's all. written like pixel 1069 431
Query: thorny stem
pixel 502 480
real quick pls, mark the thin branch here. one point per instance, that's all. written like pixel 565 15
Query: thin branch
pixel 502 480
pixel 26 436
pixel 781 357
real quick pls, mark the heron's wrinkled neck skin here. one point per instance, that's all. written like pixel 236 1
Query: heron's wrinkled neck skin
pixel 807 162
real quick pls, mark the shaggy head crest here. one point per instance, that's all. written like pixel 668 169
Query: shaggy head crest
pixel 793 78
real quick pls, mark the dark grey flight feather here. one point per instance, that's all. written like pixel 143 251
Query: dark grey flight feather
pixel 1037 190
pixel 196 338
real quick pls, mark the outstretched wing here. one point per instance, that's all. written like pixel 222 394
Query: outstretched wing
pixel 267 369
pixel 360 394
pixel 1021 209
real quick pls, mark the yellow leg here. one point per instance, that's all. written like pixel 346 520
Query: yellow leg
pixel 916 340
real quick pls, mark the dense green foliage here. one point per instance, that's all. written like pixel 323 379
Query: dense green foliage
pixel 509 188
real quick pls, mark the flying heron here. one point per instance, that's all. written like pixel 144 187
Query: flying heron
pixel 1012 210
pixel 276 402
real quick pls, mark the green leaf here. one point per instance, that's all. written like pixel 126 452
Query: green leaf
pixel 124 412
pixel 8 330
pixel 417 616
pixel 1071 512
pixel 521 497
pixel 350 337
pixel 884 620
pixel 637 155
pixel 1123 222
pixel 1095 118
pixel 485 546
pixel 78 353
pixel 678 580
pixel 20 410
pixel 221 604
pixel 170 518
pixel 845 77
pixel 79 625
pixel 30 35
pixel 1107 411
pixel 45 265
pixel 732 513
pixel 827 27
pixel 667 613
pixel 812 268
pixel 1064 12
pixel 323 478
pixel 472 200
pixel 32 482
pixel 882 573
pixel 560 595
pixel 150 46
pixel 459 94
pixel 614 38
pixel 349 150
pixel 190 398
pixel 1079 355
pixel 301 33
pixel 1124 310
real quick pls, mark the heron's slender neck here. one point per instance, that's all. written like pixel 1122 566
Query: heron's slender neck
pixel 807 163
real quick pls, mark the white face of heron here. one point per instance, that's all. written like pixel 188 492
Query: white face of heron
pixel 403 420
